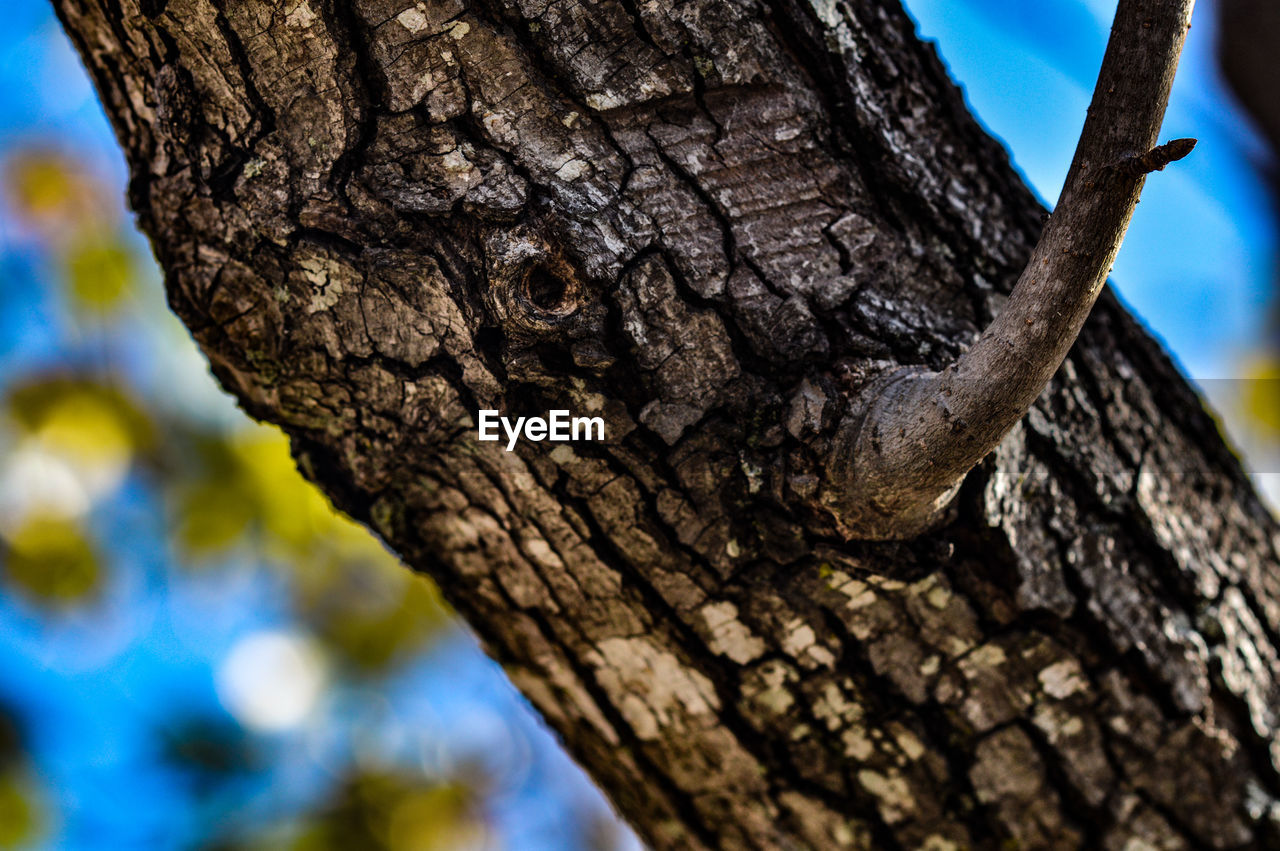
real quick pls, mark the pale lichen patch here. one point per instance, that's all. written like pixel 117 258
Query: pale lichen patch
pixel 893 795
pixel 799 637
pixel 456 162
pixel 938 597
pixel 652 687
pixel 822 656
pixel 801 643
pixel 640 718
pixel 859 593
pixel 857 745
pixel 413 19
pixel 832 707
pixel 911 746
pixel 496 125
pixel 884 583
pixel 986 656
pixel 1057 724
pixel 601 101
pixel 326 280
pixel 541 553
pixel 729 635
pixel 572 170
pixel 563 454
pixel 300 16
pixel 1063 679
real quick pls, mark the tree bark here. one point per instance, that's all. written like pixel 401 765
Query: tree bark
pixel 711 223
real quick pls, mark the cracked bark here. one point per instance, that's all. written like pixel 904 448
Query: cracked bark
pixel 711 224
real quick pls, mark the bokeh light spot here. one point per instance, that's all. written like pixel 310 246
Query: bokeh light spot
pixel 271 681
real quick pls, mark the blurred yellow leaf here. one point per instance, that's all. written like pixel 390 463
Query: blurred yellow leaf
pixel 45 187
pixel 20 816
pixel 85 418
pixel 52 561
pixel 100 274
pixel 211 517
pixel 294 514
pixel 434 819
pixel 1262 394
pixel 76 442
pixel 247 481
pixel 372 614
pixel 387 812
pixel 88 430
pixel 211 506
pixel 353 593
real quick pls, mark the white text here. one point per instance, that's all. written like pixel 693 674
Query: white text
pixel 558 426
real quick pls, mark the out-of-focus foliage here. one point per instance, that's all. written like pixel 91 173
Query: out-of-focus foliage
pixel 22 819
pixel 394 812
pixel 47 190
pixel 99 275
pixel 98 270
pixel 1248 38
pixel 228 490
pixel 52 560
pixel 1252 404
pixel 87 420
pixel 352 593
pixel 208 751
pixel 1262 395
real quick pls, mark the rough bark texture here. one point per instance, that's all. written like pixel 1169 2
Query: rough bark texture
pixel 710 222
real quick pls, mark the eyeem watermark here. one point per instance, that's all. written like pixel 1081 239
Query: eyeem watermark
pixel 558 426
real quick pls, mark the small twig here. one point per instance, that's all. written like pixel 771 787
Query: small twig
pixel 1138 165
pixel 904 448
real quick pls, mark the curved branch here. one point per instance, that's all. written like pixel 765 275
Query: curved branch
pixel 902 454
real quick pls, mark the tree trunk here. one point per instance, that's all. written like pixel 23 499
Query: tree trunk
pixel 709 223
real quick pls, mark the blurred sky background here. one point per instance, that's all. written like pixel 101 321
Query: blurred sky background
pixel 195 653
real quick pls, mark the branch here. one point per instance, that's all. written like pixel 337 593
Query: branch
pixel 902 453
